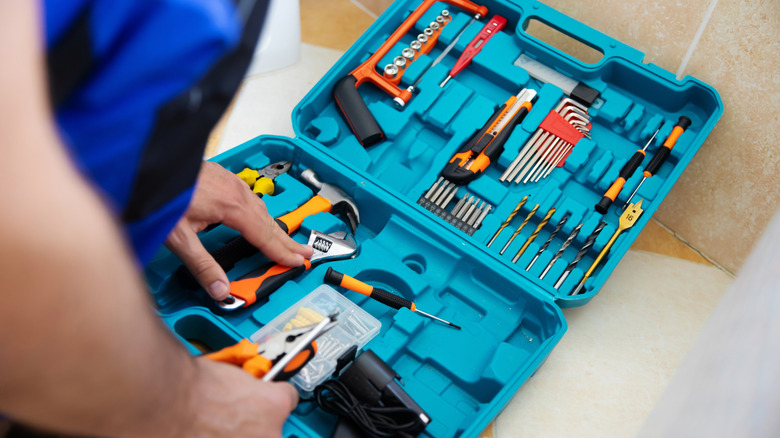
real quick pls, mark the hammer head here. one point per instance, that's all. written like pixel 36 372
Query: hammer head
pixel 341 203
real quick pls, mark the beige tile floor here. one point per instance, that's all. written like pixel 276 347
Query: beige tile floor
pixel 620 350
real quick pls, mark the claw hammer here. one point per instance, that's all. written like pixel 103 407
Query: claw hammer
pixel 329 199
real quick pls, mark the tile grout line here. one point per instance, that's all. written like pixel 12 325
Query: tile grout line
pixel 696 38
pixel 364 8
pixel 694 249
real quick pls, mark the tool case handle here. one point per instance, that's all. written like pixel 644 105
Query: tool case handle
pixel 610 47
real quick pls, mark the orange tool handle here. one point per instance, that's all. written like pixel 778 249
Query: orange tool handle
pixel 291 221
pixel 367 70
pixel 389 299
pixel 475 46
pixel 355 111
pixel 666 149
pixel 625 173
pixel 486 144
pixel 239 248
pixel 245 354
pixel 270 278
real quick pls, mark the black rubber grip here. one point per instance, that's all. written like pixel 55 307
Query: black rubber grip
pixel 603 205
pixel 333 277
pixel 271 284
pixel 238 249
pixel 355 111
pixel 657 161
pixel 632 165
pixel 390 299
pixel 684 122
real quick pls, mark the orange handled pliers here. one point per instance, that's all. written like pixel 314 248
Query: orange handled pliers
pixel 280 356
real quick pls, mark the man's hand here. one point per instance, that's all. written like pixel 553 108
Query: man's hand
pixel 221 196
pixel 229 402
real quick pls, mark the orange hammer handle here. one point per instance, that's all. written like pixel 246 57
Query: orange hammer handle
pixel 291 221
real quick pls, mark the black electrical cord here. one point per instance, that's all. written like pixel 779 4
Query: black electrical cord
pixel 335 398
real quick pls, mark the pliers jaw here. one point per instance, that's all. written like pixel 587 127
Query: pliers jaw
pixel 281 355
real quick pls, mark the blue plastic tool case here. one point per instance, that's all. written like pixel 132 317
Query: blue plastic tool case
pixel 511 319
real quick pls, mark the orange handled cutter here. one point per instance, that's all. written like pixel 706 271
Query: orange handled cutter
pixel 487 144
pixel 280 356
pixel 359 118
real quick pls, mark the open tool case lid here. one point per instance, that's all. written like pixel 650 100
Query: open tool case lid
pixel 634 99
pixel 511 319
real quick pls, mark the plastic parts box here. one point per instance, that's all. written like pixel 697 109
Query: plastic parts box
pixel 511 319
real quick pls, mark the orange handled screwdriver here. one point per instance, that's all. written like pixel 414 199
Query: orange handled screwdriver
pixel 375 293
pixel 625 173
pixel 660 157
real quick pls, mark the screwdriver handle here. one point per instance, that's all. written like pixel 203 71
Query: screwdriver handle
pixel 389 299
pixel 666 149
pixel 625 173
pixel 475 46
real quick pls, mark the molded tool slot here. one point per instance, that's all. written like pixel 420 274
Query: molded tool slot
pixel 202 333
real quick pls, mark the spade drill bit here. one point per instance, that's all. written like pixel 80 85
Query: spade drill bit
pixel 508 219
pixel 558 254
pixel 627 220
pixel 517 231
pixel 581 253
pixel 533 235
pixel 547 243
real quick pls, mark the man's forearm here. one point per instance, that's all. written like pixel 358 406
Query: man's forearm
pixel 81 349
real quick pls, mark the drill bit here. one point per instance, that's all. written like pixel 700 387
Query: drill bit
pixel 627 220
pixel 533 235
pixel 581 253
pixel 508 220
pixel 549 239
pixel 517 231
pixel 558 254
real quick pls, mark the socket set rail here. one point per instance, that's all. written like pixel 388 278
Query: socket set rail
pixel 497 180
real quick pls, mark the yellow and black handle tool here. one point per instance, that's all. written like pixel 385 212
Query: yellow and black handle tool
pixel 487 144
pixel 385 297
pixel 262 181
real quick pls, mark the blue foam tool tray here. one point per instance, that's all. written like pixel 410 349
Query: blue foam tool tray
pixel 511 318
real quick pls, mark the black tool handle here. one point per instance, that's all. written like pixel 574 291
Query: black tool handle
pixel 333 276
pixel 625 173
pixel 389 299
pixel 355 111
pixel 666 149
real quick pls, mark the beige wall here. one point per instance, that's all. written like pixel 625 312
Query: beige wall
pixel 728 193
